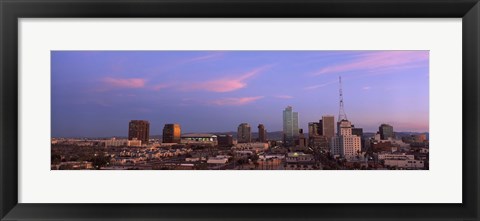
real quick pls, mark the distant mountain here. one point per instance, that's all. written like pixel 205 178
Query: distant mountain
pixel 398 134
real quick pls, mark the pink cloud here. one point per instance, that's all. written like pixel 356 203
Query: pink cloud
pixel 226 84
pixel 124 82
pixel 160 86
pixel 207 57
pixel 235 101
pixel 384 60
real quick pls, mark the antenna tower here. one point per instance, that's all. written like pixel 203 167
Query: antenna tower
pixel 341 112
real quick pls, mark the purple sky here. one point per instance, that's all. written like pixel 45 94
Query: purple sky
pixel 96 93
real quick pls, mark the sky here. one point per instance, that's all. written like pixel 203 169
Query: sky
pixel 96 93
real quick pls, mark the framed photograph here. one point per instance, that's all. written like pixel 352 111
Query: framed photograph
pixel 254 110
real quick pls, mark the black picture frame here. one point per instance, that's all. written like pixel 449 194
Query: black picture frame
pixel 12 10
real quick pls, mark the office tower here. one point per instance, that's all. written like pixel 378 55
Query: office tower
pixel 262 133
pixel 386 131
pixel 345 143
pixel 328 126
pixel 171 133
pixel 313 129
pixel 301 141
pixel 290 126
pixel 315 136
pixel 225 140
pixel 344 127
pixel 244 134
pixel 139 129
pixel 359 132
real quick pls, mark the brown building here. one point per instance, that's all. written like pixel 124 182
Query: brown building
pixel 262 133
pixel 171 133
pixel 301 140
pixel 381 146
pixel 139 129
pixel 244 134
pixel 328 126
pixel 359 132
pixel 225 140
pixel 314 129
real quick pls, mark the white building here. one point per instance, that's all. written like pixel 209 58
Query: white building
pixel 345 144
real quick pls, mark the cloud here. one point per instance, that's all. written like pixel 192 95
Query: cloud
pixel 366 88
pixel 158 87
pixel 207 57
pixel 284 96
pixel 383 60
pixel 225 84
pixel 319 85
pixel 124 82
pixel 235 101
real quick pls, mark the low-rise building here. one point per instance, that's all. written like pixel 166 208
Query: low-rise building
pixel 299 157
pixel 255 147
pixel 405 163
pixel 200 139
pixel 217 160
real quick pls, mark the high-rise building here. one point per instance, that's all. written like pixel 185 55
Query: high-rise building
pixel 313 129
pixel 344 127
pixel 244 133
pixel 315 138
pixel 359 132
pixel 140 130
pixel 386 131
pixel 328 126
pixel 290 126
pixel 345 143
pixel 301 140
pixel 262 133
pixel 171 133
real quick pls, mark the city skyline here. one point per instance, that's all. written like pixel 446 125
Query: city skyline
pixel 215 91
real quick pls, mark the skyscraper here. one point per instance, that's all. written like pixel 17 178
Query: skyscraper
pixel 359 132
pixel 139 129
pixel 328 126
pixel 345 143
pixel 313 129
pixel 386 131
pixel 171 133
pixel 344 127
pixel 315 136
pixel 290 126
pixel 244 133
pixel 301 141
pixel 262 133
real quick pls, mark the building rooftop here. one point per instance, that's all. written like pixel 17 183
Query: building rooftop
pixel 192 135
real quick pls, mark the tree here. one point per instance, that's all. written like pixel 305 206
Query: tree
pixel 55 158
pixel 99 161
